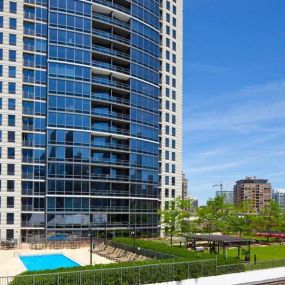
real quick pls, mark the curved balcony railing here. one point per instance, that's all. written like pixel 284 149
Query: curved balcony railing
pixel 32 176
pixel 104 97
pixel 29 47
pixel 113 67
pixel 112 83
pixel 29 159
pixel 34 2
pixel 110 36
pixel 111 161
pixel 109 51
pixel 28 79
pixel 111 115
pixel 112 5
pixel 29 15
pixel 29 63
pixel 110 177
pixel 110 193
pixel 32 224
pixel 31 208
pixel 110 146
pixel 112 21
pixel 111 130
pixel 28 127
pixel 29 31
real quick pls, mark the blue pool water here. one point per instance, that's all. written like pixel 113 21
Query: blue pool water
pixel 47 261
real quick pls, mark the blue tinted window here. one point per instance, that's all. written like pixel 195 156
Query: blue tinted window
pixel 11 120
pixel 1 21
pixel 13 7
pixel 1 70
pixel 11 104
pixel 13 23
pixel 1 5
pixel 12 71
pixel 1 38
pixel 12 39
pixel 12 55
pixel 1 53
pixel 12 88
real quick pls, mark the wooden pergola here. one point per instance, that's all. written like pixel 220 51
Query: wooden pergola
pixel 216 242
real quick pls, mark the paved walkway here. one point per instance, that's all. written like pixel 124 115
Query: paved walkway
pixel 11 265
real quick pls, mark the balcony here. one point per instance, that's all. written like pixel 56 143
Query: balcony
pixel 110 36
pixel 34 2
pixel 104 50
pixel 110 161
pixel 28 79
pixel 105 97
pixel 111 130
pixel 106 19
pixel 109 114
pixel 110 177
pixel 29 31
pixel 105 65
pixel 29 15
pixel 28 127
pixel 111 146
pixel 29 63
pixel 113 5
pixel 111 83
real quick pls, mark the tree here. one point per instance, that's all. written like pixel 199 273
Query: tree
pixel 240 218
pixel 175 215
pixel 212 216
pixel 270 218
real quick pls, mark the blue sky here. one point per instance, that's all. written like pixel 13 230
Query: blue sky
pixel 234 93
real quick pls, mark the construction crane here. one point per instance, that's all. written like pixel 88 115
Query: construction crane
pixel 219 185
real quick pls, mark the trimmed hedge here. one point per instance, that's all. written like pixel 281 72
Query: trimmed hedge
pixel 123 276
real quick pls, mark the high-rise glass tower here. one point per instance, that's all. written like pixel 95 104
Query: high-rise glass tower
pixel 91 97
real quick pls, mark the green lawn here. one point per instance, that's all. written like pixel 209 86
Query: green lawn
pixel 263 253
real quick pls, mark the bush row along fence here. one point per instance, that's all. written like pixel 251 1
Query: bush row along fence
pixel 138 275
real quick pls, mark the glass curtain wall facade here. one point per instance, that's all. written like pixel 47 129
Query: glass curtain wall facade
pixel 85 82
pixel 92 85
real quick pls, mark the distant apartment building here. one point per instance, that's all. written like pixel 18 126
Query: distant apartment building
pixel 278 195
pixel 228 195
pixel 256 191
pixel 184 186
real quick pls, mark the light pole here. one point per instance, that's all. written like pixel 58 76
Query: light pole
pixel 90 236
pixel 133 235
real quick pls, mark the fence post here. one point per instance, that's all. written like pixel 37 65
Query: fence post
pixel 139 275
pixel 188 270
pixel 202 270
pixel 121 275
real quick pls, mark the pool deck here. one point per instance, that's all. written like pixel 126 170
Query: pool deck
pixel 11 265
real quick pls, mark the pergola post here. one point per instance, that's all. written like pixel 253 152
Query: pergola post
pixel 238 252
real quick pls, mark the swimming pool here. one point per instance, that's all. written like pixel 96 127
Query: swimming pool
pixel 47 261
